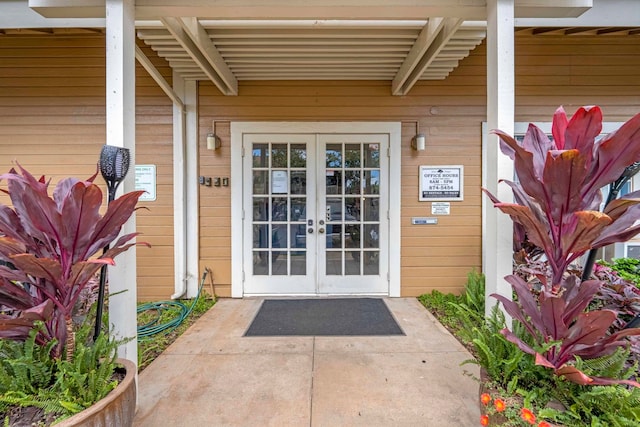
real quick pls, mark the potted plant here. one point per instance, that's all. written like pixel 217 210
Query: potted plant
pixel 571 347
pixel 50 248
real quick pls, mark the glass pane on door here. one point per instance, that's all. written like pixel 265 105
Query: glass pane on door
pixel 315 213
pixel 352 198
pixel 279 200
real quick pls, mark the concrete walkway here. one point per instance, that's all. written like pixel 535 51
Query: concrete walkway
pixel 213 376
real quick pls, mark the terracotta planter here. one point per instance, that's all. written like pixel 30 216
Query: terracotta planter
pixel 116 409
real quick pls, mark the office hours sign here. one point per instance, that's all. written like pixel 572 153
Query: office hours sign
pixel 439 183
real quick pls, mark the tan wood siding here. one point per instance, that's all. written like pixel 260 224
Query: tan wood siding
pixel 52 121
pixel 575 71
pixel 215 206
pixel 550 71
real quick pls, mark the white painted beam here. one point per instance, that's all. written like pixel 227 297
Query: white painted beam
pixel 120 127
pixel 604 13
pixel 497 248
pixel 549 8
pixel 422 43
pixel 69 8
pixel 200 37
pixel 174 25
pixel 428 46
pixel 351 9
pixel 311 9
pixel 16 14
pixel 157 77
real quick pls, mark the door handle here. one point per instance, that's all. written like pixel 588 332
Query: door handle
pixel 321 230
pixel 310 230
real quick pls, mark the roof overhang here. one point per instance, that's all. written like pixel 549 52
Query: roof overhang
pixel 312 9
pixel 226 41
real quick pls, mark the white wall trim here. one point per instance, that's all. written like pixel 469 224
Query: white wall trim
pixel 395 203
pixel 238 129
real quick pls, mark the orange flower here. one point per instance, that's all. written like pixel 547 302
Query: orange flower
pixel 544 424
pixel 499 404
pixel 528 416
pixel 485 398
pixel 484 420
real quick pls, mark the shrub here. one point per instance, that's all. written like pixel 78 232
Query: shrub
pixel 627 268
pixel 50 247
pixel 556 202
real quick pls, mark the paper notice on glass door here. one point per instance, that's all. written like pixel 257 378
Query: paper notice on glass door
pixel 279 182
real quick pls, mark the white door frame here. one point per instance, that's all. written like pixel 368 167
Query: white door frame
pixel 238 129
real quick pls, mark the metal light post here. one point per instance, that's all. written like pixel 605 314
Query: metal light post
pixel 114 165
pixel 614 189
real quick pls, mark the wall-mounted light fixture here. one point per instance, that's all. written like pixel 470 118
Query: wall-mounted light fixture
pixel 213 142
pixel 419 141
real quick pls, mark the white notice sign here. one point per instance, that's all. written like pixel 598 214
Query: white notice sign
pixel 440 208
pixel 279 182
pixel 441 183
pixel 146 181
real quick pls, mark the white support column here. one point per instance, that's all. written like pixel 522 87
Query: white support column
pixel 498 235
pixel 192 188
pixel 120 121
pixel 179 190
pixel 185 189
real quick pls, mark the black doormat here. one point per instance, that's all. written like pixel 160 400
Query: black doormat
pixel 323 317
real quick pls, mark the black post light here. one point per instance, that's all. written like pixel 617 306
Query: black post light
pixel 614 189
pixel 633 323
pixel 114 165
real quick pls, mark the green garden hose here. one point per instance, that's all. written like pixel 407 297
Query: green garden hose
pixel 155 327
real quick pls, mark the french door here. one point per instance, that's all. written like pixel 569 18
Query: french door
pixel 315 214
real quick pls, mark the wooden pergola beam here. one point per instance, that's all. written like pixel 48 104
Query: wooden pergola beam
pixel 183 37
pixel 157 77
pixel 432 39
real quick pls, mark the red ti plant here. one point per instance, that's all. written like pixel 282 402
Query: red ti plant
pixel 557 203
pixel 50 247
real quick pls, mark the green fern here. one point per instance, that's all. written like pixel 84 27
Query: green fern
pixel 29 376
pixel 26 367
pixel 474 296
pixel 516 373
pixel 615 405
pixel 88 377
pixel 613 365
pixel 48 404
pixel 598 406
